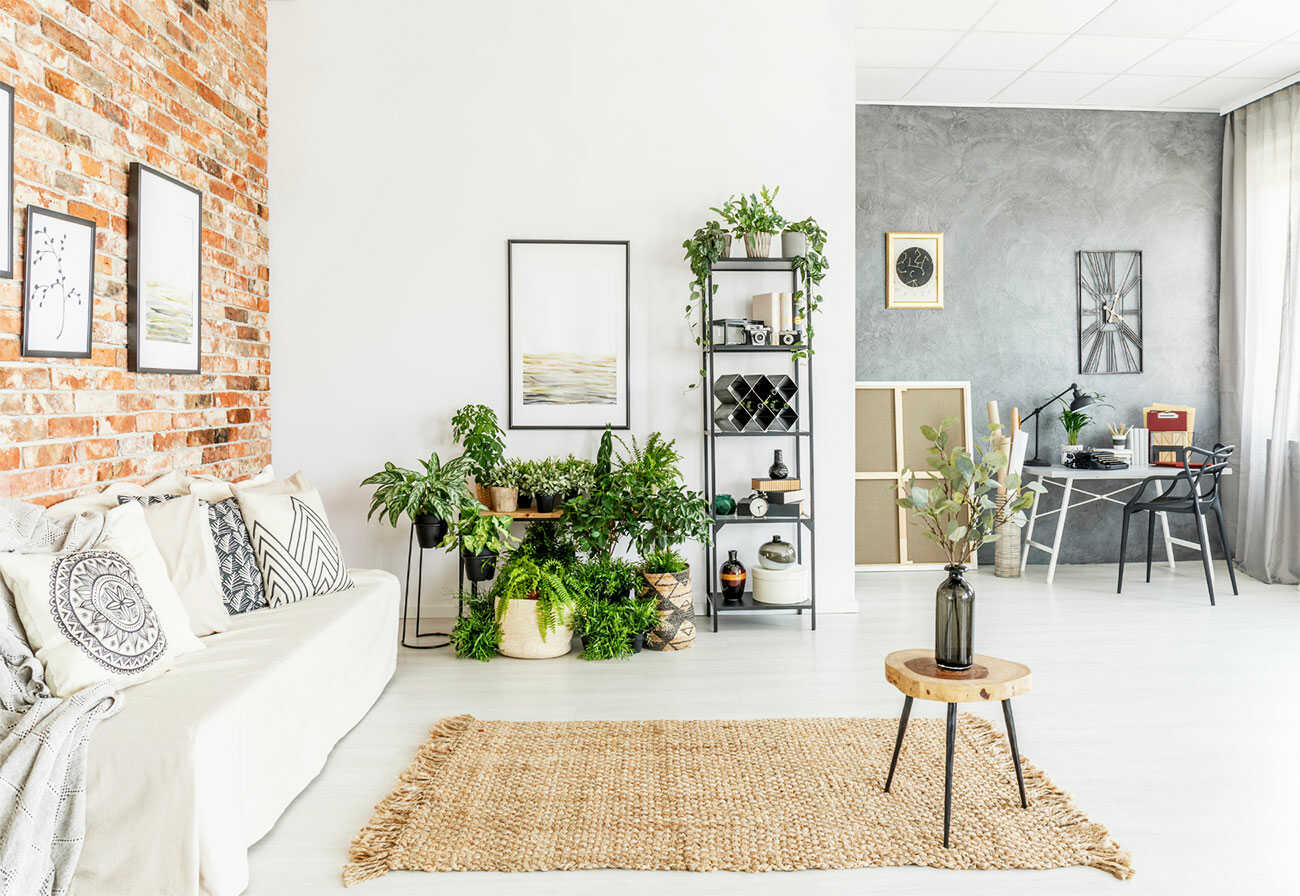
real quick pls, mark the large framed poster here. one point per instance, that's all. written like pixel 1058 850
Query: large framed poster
pixel 7 180
pixel 569 333
pixel 164 273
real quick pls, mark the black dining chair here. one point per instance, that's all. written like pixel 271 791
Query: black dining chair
pixel 1195 490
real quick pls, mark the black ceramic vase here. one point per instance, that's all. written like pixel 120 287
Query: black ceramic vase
pixel 733 577
pixel 778 470
pixel 954 607
pixel 429 529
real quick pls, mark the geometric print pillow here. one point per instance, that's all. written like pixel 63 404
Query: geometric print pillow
pixel 298 554
pixel 241 580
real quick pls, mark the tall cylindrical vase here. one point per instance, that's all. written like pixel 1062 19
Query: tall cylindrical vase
pixel 954 609
pixel 1006 551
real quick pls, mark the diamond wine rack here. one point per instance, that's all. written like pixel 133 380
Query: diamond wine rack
pixel 755 402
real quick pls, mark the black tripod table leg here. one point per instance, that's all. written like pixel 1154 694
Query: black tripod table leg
pixel 898 744
pixel 1015 751
pixel 950 743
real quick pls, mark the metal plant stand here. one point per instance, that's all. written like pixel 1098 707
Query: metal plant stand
pixel 801 372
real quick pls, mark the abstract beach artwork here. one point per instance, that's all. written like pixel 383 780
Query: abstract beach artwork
pixel 59 288
pixel 568 338
pixel 164 323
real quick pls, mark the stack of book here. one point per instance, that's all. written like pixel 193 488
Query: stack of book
pixel 783 495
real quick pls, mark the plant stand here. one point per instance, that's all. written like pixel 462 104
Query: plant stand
pixel 799 428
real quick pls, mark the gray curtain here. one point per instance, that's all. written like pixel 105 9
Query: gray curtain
pixel 1259 333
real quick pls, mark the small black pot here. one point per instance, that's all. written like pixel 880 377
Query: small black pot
pixel 637 641
pixel 525 500
pixel 546 503
pixel 430 529
pixel 480 567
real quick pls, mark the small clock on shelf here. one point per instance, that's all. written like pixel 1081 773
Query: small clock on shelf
pixel 1110 311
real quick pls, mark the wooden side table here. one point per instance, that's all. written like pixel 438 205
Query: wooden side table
pixel 915 673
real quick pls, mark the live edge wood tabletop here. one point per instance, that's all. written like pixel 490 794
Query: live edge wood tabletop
pixel 918 676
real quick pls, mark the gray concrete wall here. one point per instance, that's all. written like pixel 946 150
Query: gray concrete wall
pixel 1016 192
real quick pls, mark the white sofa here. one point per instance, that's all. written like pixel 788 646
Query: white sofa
pixel 200 763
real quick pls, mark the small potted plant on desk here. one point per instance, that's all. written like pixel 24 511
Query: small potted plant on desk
pixel 960 509
pixel 482 537
pixel 477 430
pixel 430 497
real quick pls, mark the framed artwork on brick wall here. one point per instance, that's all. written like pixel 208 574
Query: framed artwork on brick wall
pixel 164 273
pixel 7 173
pixel 58 285
pixel 568 336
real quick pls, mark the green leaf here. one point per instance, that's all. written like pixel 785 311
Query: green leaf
pixel 929 432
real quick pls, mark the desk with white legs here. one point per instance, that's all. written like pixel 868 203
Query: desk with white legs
pixel 1065 478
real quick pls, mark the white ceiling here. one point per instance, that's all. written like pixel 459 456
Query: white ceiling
pixel 1195 55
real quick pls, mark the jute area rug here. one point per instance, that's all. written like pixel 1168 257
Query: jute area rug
pixel 751 795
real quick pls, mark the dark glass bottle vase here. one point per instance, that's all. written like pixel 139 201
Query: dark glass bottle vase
pixel 954 606
pixel 733 576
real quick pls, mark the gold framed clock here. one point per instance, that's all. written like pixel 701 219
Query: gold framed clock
pixel 1109 288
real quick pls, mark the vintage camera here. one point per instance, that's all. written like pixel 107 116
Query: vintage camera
pixel 759 334
pixel 790 337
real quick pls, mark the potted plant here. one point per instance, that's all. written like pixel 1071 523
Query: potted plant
pixel 812 263
pixel 613 628
pixel 607 578
pixel 1074 422
pixel 527 475
pixel 482 537
pixel 703 248
pixel 548 485
pixel 477 634
pixel 754 219
pixel 480 436
pixel 503 486
pixel 578 476
pixel 534 608
pixel 960 509
pixel 429 497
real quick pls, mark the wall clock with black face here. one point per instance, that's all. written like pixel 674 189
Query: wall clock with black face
pixel 1110 311
pixel 914 270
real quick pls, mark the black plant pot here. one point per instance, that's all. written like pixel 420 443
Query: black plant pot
pixel 954 610
pixel 637 642
pixel 546 503
pixel 525 500
pixel 480 567
pixel 430 529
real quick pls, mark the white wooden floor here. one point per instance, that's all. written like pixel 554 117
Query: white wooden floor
pixel 1174 723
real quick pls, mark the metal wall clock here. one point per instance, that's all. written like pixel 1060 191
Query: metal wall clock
pixel 1110 311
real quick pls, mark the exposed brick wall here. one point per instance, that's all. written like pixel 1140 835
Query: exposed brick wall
pixel 99 84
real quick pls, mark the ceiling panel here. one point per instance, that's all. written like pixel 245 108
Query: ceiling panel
pixel 1208 55
pixel 959 86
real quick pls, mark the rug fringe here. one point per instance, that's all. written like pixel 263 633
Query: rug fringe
pixel 1102 852
pixel 371 851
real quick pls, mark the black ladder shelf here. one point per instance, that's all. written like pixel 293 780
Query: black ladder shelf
pixel 802 374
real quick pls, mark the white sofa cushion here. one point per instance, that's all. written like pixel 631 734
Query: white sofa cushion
pixel 200 763
pixel 182 530
pixel 109 613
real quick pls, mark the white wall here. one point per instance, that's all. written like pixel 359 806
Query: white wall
pixel 410 140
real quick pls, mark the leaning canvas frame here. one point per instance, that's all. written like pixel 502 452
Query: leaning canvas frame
pixel 164 251
pixel 898 297
pixel 40 279
pixel 568 334
pixel 7 140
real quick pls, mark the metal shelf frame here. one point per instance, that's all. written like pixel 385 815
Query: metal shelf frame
pixel 802 374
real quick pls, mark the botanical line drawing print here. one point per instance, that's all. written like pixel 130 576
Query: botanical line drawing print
pixel 56 290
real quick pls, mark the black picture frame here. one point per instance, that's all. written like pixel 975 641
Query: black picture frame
pixel 134 320
pixel 1129 343
pixel 28 350
pixel 626 423
pixel 7 253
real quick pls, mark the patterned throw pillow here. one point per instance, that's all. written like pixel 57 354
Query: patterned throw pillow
pixel 241 581
pixel 296 550
pixel 109 613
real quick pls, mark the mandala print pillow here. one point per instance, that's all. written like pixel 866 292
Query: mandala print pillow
pixel 296 550
pixel 109 613
pixel 241 580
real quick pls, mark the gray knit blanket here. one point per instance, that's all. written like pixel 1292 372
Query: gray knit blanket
pixel 43 739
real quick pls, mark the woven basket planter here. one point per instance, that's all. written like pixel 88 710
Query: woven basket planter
pixel 521 639
pixel 676 628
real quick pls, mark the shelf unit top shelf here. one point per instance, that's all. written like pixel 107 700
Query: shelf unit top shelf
pixel 752 264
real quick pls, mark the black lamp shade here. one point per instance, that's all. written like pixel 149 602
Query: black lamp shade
pixel 1081 400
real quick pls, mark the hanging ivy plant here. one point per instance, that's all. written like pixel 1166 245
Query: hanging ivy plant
pixel 707 245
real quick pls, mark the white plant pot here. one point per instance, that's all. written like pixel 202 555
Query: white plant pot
pixel 521 639
pixel 793 244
